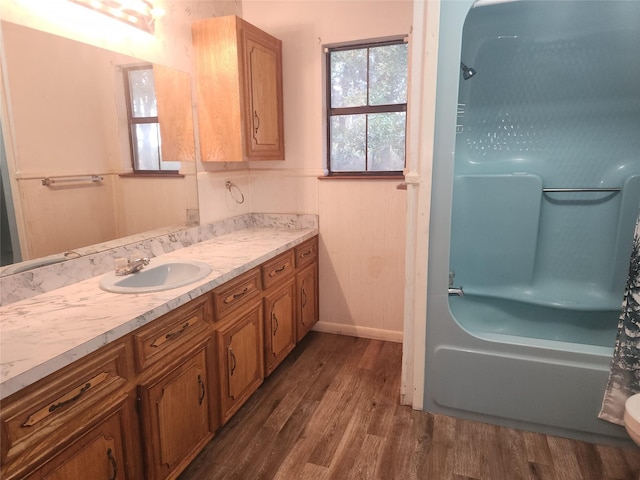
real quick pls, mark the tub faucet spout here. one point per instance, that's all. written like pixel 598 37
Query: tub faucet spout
pixel 456 291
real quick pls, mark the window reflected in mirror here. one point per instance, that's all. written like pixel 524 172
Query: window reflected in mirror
pixel 144 126
pixel 65 116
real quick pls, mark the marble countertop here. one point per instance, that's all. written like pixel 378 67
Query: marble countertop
pixel 44 333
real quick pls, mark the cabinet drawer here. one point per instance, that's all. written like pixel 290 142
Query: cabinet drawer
pixel 46 416
pixel 171 331
pixel 307 252
pixel 280 267
pixel 236 293
pixel 102 453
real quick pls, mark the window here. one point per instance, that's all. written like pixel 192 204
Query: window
pixel 367 108
pixel 144 129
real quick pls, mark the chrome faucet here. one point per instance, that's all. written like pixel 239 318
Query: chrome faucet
pixel 454 291
pixel 126 266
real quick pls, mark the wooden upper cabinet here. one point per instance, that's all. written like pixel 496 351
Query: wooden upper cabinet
pixel 239 85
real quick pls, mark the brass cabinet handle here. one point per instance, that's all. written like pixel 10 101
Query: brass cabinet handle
pixel 65 399
pixel 232 361
pixel 231 366
pixel 273 317
pixel 304 302
pixel 171 335
pixel 256 122
pixel 201 384
pixel 114 465
pixel 236 296
pixel 304 254
pixel 81 392
pixel 273 273
pixel 179 331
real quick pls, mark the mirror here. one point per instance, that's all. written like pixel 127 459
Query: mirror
pixel 64 119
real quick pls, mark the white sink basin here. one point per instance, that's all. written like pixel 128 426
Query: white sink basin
pixel 155 278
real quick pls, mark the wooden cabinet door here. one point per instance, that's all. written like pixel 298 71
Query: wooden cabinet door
pixel 239 87
pixel 99 454
pixel 240 358
pixel 306 300
pixel 279 325
pixel 263 77
pixel 177 416
pixel 45 418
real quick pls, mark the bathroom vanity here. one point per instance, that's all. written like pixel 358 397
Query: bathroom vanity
pixel 106 386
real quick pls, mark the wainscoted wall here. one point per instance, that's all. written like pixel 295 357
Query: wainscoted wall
pixel 286 191
pixel 214 199
pixel 362 238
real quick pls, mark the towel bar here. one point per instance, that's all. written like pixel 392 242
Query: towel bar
pixel 86 178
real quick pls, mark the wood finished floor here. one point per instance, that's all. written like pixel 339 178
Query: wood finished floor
pixel 330 411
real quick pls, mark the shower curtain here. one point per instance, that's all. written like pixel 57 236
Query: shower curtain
pixel 624 376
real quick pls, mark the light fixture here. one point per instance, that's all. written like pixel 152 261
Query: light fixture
pixel 139 13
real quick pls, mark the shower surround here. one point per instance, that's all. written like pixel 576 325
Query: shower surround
pixel 536 154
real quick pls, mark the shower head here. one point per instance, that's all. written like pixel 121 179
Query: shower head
pixel 467 72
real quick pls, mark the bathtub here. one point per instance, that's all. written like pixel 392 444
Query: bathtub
pixel 542 266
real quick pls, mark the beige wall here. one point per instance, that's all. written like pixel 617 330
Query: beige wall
pixel 362 223
pixel 362 232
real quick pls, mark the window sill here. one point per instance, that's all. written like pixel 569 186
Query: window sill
pixel 394 177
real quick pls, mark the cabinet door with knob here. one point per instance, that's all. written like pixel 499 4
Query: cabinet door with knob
pixel 239 87
pixel 279 325
pixel 45 426
pixel 306 255
pixel 178 413
pixel 101 453
pixel 306 300
pixel 263 90
pixel 239 348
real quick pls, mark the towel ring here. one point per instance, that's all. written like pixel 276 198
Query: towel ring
pixel 232 187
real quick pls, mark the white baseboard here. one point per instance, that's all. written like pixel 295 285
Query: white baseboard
pixel 356 331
